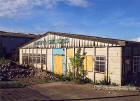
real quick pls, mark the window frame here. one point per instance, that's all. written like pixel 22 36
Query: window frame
pixel 136 64
pixel 96 60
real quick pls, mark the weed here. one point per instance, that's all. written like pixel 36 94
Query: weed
pixel 130 85
pixel 102 82
pixel 114 84
pixel 13 84
pixel 4 61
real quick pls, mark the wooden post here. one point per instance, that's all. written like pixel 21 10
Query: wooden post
pixel 25 56
pixel 33 56
pixel 36 56
pixel 94 64
pixel 66 60
pixel 28 56
pixel 21 56
pixel 41 59
pixel 74 54
pixel 122 64
pixel 107 57
pixel 46 58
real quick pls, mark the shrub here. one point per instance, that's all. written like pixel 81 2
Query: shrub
pixel 114 84
pixel 77 73
pixel 131 85
pixel 4 61
pixel 56 77
pixel 102 82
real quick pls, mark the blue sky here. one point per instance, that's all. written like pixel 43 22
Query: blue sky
pixel 105 18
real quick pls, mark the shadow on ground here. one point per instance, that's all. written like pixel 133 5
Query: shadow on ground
pixel 84 99
pixel 21 94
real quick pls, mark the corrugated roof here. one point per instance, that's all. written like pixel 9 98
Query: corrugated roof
pixel 92 38
pixel 12 34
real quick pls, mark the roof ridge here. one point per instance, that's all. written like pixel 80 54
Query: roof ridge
pixel 85 37
pixel 17 34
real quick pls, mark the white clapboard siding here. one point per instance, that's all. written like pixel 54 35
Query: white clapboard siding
pixel 73 42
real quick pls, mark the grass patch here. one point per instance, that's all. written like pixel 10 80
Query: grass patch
pixel 102 82
pixel 130 85
pixel 38 81
pixel 66 78
pixel 13 84
pixel 4 61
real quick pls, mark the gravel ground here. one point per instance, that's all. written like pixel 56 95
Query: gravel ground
pixel 66 91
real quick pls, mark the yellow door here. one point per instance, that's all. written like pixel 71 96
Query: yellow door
pixel 58 64
pixel 88 63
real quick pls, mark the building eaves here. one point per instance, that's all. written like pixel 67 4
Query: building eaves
pixel 85 37
pixel 92 38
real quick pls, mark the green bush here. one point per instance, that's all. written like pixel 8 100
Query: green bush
pixel 114 84
pixel 57 77
pixel 63 78
pixel 4 61
pixel 37 80
pixel 131 85
pixel 102 82
pixel 77 73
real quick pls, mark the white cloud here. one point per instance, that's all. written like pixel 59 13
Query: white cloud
pixel 136 39
pixel 13 30
pixel 82 3
pixel 12 8
pixel 129 22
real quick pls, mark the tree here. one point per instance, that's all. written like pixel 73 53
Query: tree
pixel 76 63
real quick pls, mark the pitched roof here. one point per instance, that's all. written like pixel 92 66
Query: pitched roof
pixel 12 34
pixel 92 38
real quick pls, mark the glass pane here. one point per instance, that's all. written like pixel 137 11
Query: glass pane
pixel 97 58
pixel 102 63
pixel 97 62
pixel 102 68
pixel 138 68
pixel 97 68
pixel 135 68
pixel 102 58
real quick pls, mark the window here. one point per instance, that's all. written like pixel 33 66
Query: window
pixel 100 62
pixel 136 64
pixel 34 58
pixel 25 58
pixel 43 59
pixel 38 58
pixel 30 59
